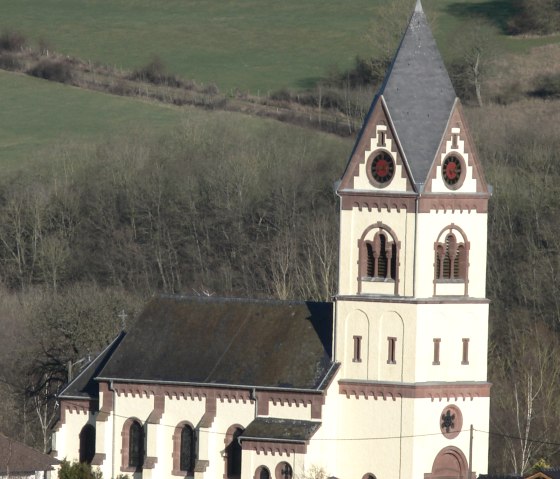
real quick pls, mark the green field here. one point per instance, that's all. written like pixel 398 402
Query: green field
pixel 256 45
pixel 251 45
pixel 39 118
pixel 246 44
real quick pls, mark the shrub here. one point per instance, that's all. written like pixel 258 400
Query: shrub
pixel 155 72
pixel 9 61
pixel 78 470
pixel 281 95
pixel 54 70
pixel 509 94
pixel 12 41
pixel 548 86
pixel 540 17
pixel 211 89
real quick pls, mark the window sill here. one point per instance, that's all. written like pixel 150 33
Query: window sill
pixel 356 360
pixel 391 362
pixel 370 279
pixel 450 281
pixel 435 363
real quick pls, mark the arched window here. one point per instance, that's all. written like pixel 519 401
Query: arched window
pixel 378 254
pixel 284 471
pixel 187 452
pixel 233 453
pixel 136 446
pixel 262 472
pixel 368 476
pixel 379 257
pixel 451 258
pixel 87 443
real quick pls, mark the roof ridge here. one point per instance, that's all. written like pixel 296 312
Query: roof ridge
pixel 419 95
pixel 226 299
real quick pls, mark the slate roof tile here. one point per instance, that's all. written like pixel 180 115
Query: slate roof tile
pixel 236 342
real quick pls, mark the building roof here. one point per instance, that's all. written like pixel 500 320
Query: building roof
pixel 229 342
pixel 419 96
pixel 16 457
pixel 285 430
pixel 546 474
pixel 84 385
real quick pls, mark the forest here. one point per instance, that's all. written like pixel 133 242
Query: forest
pixel 221 205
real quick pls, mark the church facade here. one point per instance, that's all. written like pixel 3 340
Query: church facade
pixel 387 381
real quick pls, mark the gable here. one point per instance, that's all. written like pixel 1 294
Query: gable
pixel 457 142
pixel 377 136
pixel 217 341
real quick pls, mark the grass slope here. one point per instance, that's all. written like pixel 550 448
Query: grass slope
pixel 256 45
pixel 39 118
pixel 247 44
pixel 37 114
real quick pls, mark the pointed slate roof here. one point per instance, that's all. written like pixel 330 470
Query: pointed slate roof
pixel 419 95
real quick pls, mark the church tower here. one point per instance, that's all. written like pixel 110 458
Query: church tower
pixel 411 310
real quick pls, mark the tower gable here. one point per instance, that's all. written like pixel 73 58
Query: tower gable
pixel 363 172
pixel 457 143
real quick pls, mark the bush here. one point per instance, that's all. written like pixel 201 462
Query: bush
pixel 9 61
pixel 509 94
pixel 281 95
pixel 77 470
pixel 54 70
pixel 155 72
pixel 365 72
pixel 540 17
pixel 548 86
pixel 12 41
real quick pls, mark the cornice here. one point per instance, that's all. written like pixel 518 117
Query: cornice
pixel 434 391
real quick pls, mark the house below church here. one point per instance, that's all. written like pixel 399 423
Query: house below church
pixel 387 381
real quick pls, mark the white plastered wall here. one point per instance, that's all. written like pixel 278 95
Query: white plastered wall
pixel 67 438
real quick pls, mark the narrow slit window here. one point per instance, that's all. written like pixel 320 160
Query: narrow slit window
pixel 357 349
pixel 437 342
pixel 381 138
pixel 455 141
pixel 465 351
pixel 391 350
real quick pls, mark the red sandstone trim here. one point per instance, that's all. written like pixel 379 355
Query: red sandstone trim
pixel 107 406
pixel 316 401
pixel 273 447
pixel 157 412
pixel 393 391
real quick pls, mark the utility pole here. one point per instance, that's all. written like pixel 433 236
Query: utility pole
pixel 470 453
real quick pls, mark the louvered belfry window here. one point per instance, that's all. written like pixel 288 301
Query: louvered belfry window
pixel 451 260
pixel 381 257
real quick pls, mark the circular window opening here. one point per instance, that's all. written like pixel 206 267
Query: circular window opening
pixel 451 421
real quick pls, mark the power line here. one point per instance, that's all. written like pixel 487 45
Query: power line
pixel 371 438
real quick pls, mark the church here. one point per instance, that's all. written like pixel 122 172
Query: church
pixel 387 381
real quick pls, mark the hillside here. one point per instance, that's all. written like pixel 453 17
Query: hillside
pixel 106 198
